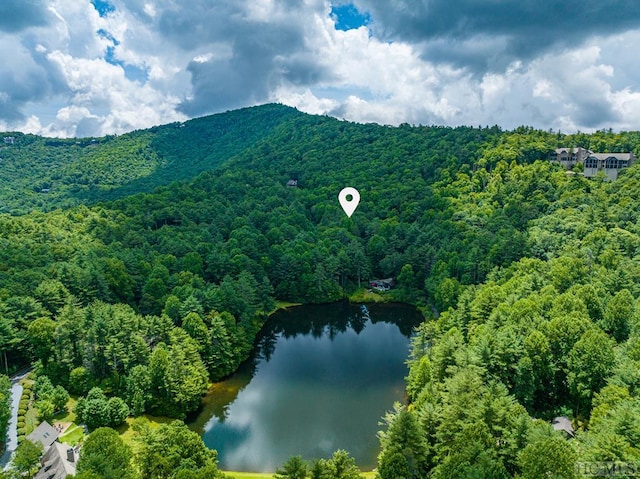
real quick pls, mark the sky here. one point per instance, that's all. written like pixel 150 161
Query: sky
pixel 95 67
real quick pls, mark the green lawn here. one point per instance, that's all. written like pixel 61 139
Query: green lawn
pixel 74 435
pixel 261 475
pixel 282 305
pixel 31 420
pixel 248 475
pixel 363 295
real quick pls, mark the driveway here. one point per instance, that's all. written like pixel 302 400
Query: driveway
pixel 12 431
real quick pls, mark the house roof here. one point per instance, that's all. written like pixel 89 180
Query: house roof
pixel 572 150
pixel 619 156
pixel 563 423
pixel 45 434
pixel 56 464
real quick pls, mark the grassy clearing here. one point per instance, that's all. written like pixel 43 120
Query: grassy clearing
pixel 363 295
pixel 283 305
pixel 248 475
pixel 267 475
pixel 31 419
pixel 74 435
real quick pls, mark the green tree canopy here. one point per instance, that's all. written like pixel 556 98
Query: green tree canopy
pixel 105 455
pixel 26 459
pixel 173 447
pixel 293 468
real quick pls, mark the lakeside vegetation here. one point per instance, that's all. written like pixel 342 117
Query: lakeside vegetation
pixel 264 475
pixel 136 304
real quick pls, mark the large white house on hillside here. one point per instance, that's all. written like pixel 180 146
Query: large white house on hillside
pixel 609 163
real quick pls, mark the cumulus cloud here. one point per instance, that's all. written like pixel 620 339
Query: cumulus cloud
pixel 490 35
pixel 17 15
pixel 109 66
pixel 248 49
pixel 259 60
pixel 27 77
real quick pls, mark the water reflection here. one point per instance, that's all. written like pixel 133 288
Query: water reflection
pixel 319 379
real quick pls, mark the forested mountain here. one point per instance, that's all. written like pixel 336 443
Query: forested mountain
pixel 553 334
pixel 45 173
pixel 147 296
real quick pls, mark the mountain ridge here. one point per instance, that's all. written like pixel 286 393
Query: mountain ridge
pixel 42 174
pixel 46 173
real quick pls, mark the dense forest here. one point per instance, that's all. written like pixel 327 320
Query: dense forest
pixel 135 269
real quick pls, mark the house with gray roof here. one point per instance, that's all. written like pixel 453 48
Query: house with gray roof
pixel 58 462
pixel 608 163
pixel 569 157
pixel 563 423
pixel 45 434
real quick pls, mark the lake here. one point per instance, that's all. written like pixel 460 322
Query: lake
pixel 319 379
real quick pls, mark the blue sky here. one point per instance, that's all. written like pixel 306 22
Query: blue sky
pixel 348 17
pixel 94 67
pixel 103 8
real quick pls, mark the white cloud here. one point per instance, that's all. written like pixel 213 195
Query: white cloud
pixel 566 90
pixel 304 100
pixel 209 56
pixel 150 9
pixel 109 102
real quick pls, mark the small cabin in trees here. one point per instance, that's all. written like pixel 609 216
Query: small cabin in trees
pixel 292 183
pixel 562 423
pixel 382 284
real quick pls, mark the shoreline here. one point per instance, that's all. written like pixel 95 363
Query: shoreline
pixel 230 387
pixel 269 475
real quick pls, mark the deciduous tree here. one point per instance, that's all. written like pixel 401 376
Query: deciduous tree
pixel 105 455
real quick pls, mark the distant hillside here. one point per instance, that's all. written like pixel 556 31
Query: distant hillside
pixel 42 174
pixel 39 173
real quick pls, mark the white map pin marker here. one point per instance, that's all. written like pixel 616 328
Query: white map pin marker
pixel 349 205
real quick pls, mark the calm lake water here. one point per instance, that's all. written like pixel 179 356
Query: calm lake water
pixel 320 378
